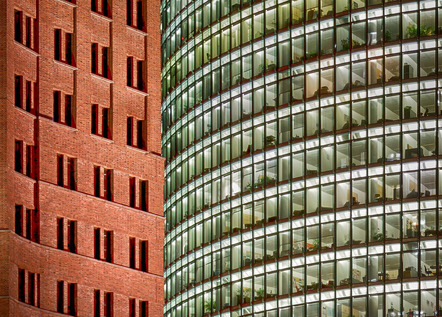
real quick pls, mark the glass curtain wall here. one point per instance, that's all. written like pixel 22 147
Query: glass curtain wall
pixel 303 157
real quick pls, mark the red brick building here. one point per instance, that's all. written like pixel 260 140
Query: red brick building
pixel 81 176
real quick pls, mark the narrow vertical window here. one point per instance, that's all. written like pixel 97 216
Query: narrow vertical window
pixel 57 103
pixel 132 192
pixel 18 26
pixel 69 112
pixel 18 89
pixel 60 233
pixel 130 62
pixel 132 253
pixel 94 66
pixel 105 125
pixel 143 195
pixel 130 128
pixel 143 256
pixel 28 96
pixel 140 21
pixel 97 243
pixel 96 303
pixel 69 55
pixel 38 290
pixel 19 156
pixel 72 299
pixel 72 236
pixel 60 172
pixel 94 128
pixel 21 285
pixel 29 160
pixel 19 219
pixel 96 181
pixel 94 5
pixel 140 81
pixel 35 230
pixel 108 184
pixel 129 12
pixel 60 296
pixel 108 246
pixel 28 31
pixel 131 307
pixel 108 304
pixel 105 8
pixel 140 135
pixel 105 62
pixel 143 309
pixel 57 45
pixel 31 288
pixel 72 173
pixel 28 224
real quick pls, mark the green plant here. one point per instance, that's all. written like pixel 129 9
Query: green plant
pixel 259 293
pixel 209 306
pixel 345 44
pixel 411 30
pixel 426 30
pixel 378 236
pixel 246 292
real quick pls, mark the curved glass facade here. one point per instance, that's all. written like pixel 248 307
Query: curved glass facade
pixel 303 157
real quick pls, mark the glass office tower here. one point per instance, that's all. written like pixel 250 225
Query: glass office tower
pixel 303 157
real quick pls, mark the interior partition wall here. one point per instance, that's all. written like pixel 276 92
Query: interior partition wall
pixel 303 157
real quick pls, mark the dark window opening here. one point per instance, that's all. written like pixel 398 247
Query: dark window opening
pixel 57 44
pixel 140 75
pixel 57 106
pixel 72 299
pixel 132 191
pixel 108 304
pixel 69 113
pixel 19 156
pixel 140 20
pixel 60 296
pixel 72 236
pixel 132 253
pixel 60 168
pixel 94 5
pixel 143 195
pixel 106 125
pixel 29 161
pixel 131 307
pixel 140 135
pixel 129 12
pixel 105 62
pixel 72 173
pixel 108 246
pixel 21 285
pixel 28 31
pixel 28 96
pixel 31 288
pixel 19 219
pixel 96 181
pixel 108 184
pixel 97 243
pixel 18 89
pixel 96 303
pixel 143 256
pixel 130 128
pixel 94 57
pixel 28 224
pixel 143 309
pixel 130 62
pixel 105 8
pixel 60 233
pixel 69 44
pixel 18 26
pixel 94 119
pixel 35 230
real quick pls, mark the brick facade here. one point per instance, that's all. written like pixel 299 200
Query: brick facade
pixel 44 140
